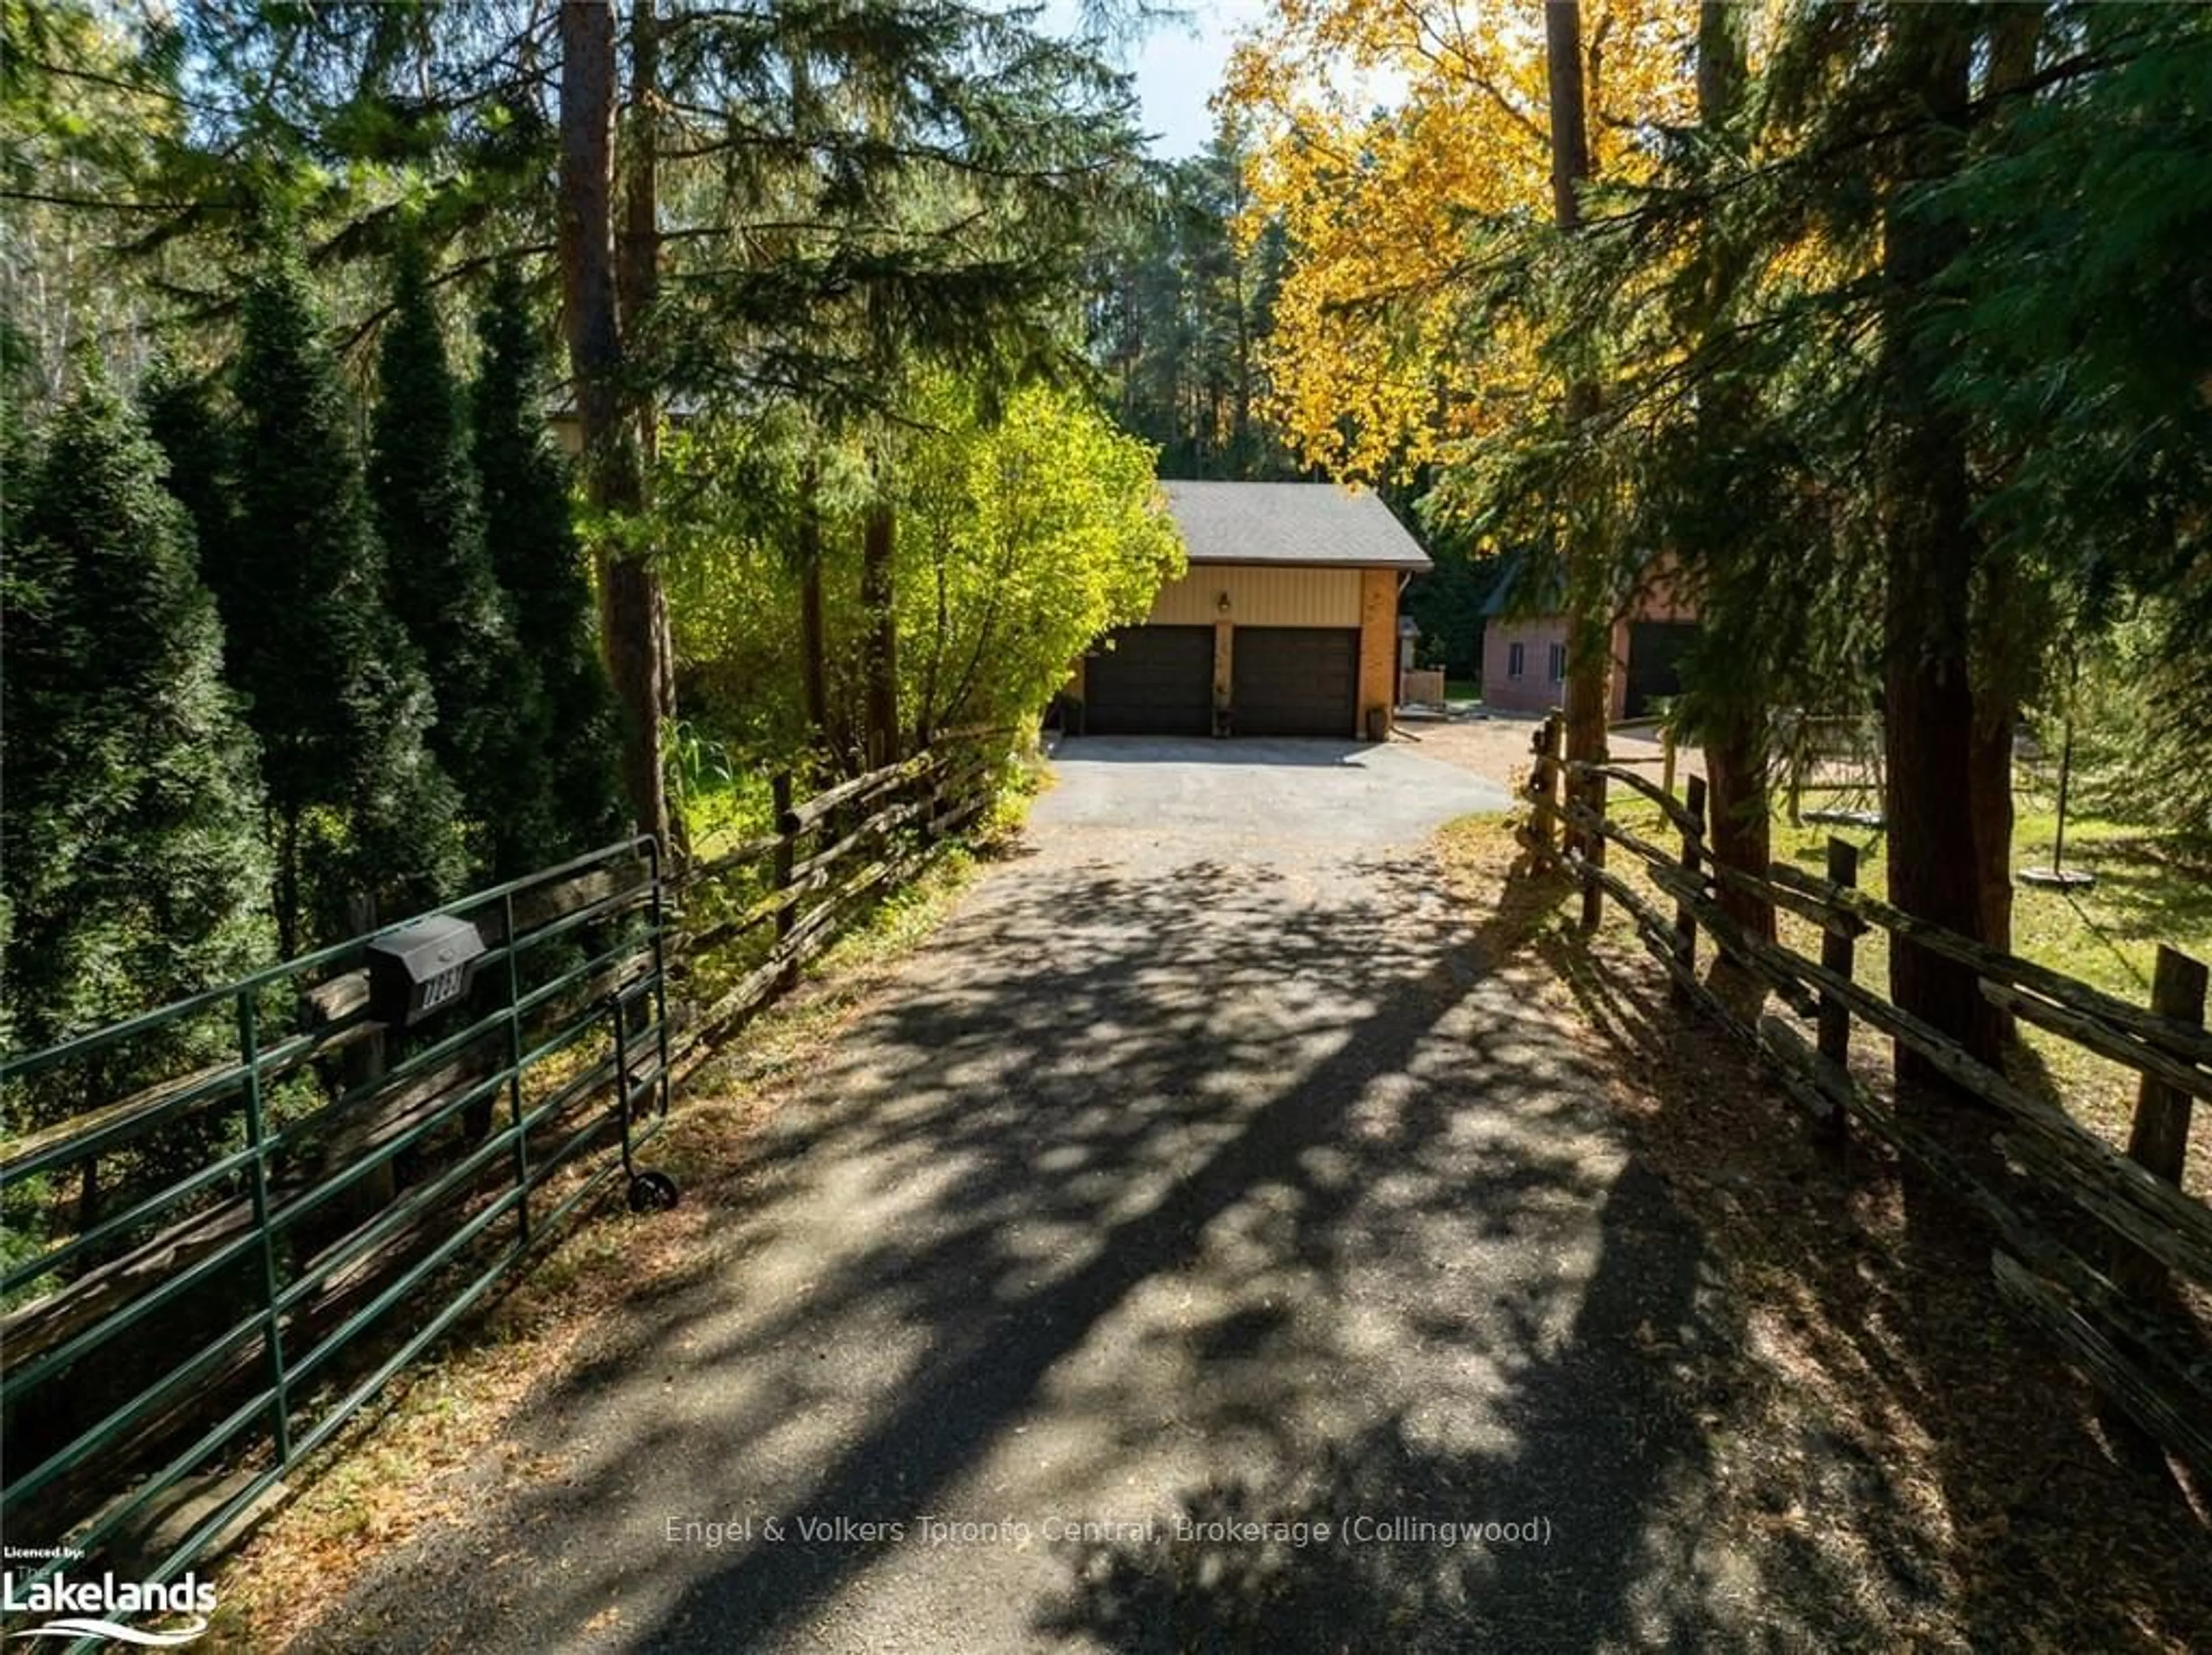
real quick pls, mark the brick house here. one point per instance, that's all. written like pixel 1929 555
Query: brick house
pixel 1524 657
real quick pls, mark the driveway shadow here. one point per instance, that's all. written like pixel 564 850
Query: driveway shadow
pixel 1929 1468
pixel 1199 1187
pixel 1370 1547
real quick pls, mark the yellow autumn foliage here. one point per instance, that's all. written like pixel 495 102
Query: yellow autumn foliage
pixel 1377 368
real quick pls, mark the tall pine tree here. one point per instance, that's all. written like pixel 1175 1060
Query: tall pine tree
pixel 534 551
pixel 339 693
pixel 492 726
pixel 181 413
pixel 136 871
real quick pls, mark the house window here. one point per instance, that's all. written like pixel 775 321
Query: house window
pixel 1516 660
pixel 1558 663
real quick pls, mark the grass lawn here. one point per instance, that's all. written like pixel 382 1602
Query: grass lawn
pixel 1462 688
pixel 2150 889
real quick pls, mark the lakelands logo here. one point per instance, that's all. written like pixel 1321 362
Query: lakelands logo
pixel 88 1609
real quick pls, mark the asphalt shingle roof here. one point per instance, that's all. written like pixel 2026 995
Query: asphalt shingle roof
pixel 1547 593
pixel 1313 523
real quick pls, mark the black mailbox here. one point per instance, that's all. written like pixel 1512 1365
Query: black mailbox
pixel 421 969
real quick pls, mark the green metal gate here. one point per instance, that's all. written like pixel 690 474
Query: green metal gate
pixel 206 1255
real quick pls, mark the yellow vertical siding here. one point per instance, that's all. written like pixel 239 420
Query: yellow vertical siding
pixel 1259 596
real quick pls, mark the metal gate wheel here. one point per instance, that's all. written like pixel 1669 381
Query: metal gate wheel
pixel 652 1192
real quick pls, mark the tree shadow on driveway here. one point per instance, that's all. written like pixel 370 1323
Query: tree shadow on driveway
pixel 1195 1186
pixel 1368 1548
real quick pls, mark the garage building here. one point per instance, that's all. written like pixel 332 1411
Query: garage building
pixel 1285 624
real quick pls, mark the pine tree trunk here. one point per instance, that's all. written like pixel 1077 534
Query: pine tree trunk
pixel 1720 62
pixel 633 612
pixel 813 627
pixel 1589 610
pixel 2003 673
pixel 638 272
pixel 1590 666
pixel 1928 714
pixel 1735 744
pixel 876 599
pixel 1563 71
pixel 638 275
pixel 1241 433
pixel 1738 806
pixel 925 716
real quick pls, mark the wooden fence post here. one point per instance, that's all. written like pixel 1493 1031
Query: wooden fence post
pixel 787 845
pixel 1685 918
pixel 1592 892
pixel 2159 1139
pixel 1666 754
pixel 1544 790
pixel 930 786
pixel 1839 952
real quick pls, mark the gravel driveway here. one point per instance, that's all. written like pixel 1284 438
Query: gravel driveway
pixel 1197 1247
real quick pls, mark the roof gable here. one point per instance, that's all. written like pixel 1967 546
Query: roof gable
pixel 1303 523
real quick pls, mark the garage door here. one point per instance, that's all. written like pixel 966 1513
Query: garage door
pixel 1654 648
pixel 1295 680
pixel 1156 681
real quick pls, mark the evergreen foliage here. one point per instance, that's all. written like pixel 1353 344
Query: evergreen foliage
pixel 2081 324
pixel 933 172
pixel 491 731
pixel 1448 603
pixel 1178 313
pixel 338 691
pixel 183 418
pixel 136 871
pixel 530 538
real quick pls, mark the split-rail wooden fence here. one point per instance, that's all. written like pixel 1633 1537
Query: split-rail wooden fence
pixel 2105 1250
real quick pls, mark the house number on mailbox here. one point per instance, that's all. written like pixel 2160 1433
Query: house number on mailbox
pixel 445 986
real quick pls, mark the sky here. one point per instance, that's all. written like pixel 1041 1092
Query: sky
pixel 1178 66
